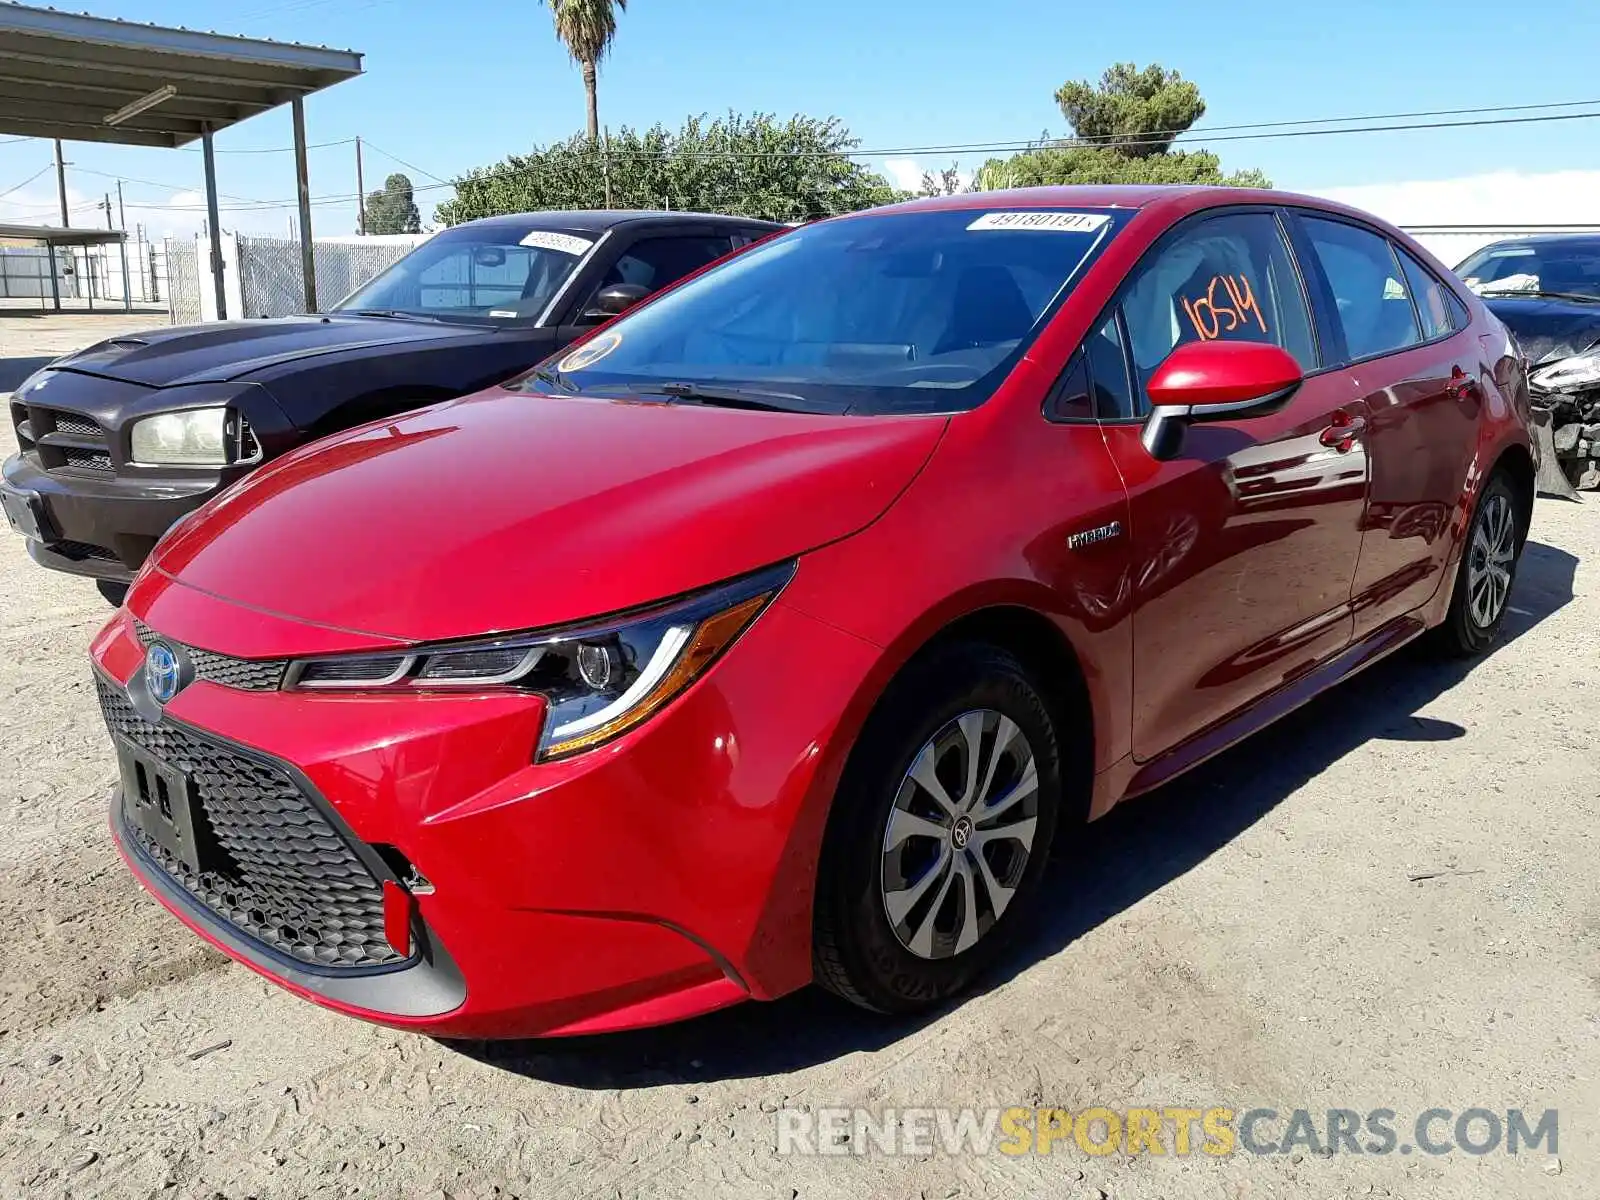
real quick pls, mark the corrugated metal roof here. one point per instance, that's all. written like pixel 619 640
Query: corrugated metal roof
pixel 67 75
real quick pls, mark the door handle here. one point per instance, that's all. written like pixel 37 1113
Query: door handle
pixel 1462 385
pixel 1343 430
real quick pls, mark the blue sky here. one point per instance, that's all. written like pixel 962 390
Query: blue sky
pixel 459 84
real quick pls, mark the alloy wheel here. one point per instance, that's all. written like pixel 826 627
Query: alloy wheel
pixel 958 839
pixel 1491 557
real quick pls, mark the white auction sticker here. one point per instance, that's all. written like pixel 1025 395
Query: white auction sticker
pixel 1053 222
pixel 567 243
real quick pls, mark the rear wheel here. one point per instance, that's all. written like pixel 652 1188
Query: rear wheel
pixel 1486 573
pixel 940 832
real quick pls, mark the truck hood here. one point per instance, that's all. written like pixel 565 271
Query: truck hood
pixel 222 351
pixel 506 511
pixel 1547 329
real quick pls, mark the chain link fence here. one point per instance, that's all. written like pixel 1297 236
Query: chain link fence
pixel 183 280
pixel 270 279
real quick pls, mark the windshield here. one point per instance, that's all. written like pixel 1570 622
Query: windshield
pixel 495 274
pixel 1571 269
pixel 920 311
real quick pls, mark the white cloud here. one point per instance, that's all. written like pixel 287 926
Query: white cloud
pixel 1503 199
pixel 904 173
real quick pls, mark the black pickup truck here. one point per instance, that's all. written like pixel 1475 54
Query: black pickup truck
pixel 118 441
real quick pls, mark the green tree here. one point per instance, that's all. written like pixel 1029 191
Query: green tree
pixel 756 165
pixel 946 183
pixel 1137 112
pixel 1123 129
pixel 393 208
pixel 586 28
pixel 1066 164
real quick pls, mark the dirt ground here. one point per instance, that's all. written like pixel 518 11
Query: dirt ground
pixel 1248 937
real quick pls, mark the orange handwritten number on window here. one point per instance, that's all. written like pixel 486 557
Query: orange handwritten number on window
pixel 1235 306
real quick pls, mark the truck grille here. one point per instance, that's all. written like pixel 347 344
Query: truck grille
pixel 280 872
pixel 248 675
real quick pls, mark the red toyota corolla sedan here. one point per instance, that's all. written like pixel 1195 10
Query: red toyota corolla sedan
pixel 777 631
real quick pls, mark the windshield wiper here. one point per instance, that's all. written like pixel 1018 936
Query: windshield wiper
pixel 730 397
pixel 556 380
pixel 1513 292
pixel 392 314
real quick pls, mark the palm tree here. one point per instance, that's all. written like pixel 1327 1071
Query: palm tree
pixel 586 28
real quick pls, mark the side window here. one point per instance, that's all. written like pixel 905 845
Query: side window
pixel 656 262
pixel 1228 277
pixel 1070 399
pixel 1108 368
pixel 1374 303
pixel 1433 298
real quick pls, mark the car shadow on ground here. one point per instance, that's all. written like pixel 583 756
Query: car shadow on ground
pixel 1135 849
pixel 14 370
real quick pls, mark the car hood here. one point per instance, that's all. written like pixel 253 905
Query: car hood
pixel 225 350
pixel 1548 329
pixel 510 510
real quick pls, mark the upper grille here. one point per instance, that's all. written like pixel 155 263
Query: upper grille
pixel 80 426
pixel 280 872
pixel 249 675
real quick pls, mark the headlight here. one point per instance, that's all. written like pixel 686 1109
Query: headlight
pixel 600 680
pixel 1580 371
pixel 195 438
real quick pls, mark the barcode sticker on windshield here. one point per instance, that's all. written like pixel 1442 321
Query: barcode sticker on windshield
pixel 566 243
pixel 1053 222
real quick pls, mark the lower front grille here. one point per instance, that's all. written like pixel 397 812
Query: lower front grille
pixel 96 462
pixel 279 872
pixel 78 551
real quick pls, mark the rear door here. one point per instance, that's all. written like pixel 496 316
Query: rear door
pixel 1401 335
pixel 1244 545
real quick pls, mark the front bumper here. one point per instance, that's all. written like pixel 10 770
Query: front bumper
pixel 106 527
pixel 663 875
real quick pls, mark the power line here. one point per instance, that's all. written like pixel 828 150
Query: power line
pixel 18 187
pixel 411 166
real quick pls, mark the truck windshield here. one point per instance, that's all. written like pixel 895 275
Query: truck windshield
pixel 914 311
pixel 489 275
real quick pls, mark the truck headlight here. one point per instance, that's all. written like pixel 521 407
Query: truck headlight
pixel 600 680
pixel 1580 371
pixel 197 437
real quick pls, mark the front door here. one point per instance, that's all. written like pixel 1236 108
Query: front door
pixel 1244 545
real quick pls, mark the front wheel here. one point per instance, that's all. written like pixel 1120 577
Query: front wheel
pixel 940 832
pixel 1486 573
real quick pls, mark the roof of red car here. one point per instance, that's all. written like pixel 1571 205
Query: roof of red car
pixel 1108 196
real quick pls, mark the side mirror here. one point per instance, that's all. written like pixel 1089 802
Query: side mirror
pixel 613 301
pixel 1215 381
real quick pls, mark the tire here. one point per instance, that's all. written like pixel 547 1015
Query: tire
pixel 1494 539
pixel 114 593
pixel 948 930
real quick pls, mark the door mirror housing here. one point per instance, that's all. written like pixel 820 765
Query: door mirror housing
pixel 1215 381
pixel 613 301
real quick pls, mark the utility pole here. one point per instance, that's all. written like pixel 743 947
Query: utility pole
pixel 106 204
pixel 127 291
pixel 308 262
pixel 361 194
pixel 61 185
pixel 605 163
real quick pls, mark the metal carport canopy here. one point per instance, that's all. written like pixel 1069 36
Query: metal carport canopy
pixel 92 79
pixel 44 235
